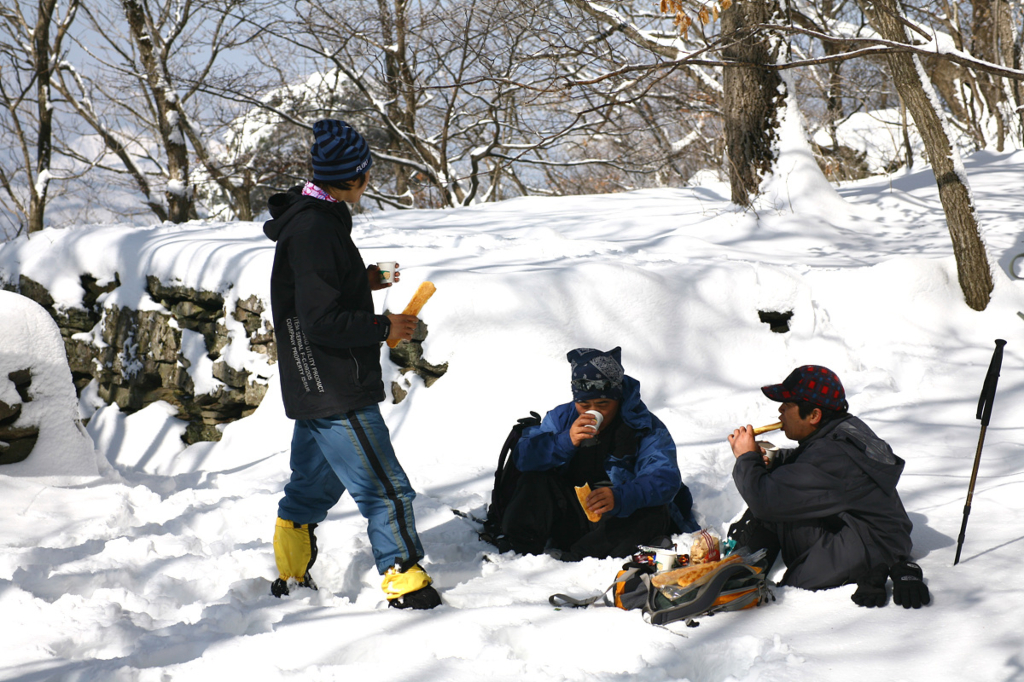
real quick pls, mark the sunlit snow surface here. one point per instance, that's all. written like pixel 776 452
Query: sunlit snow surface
pixel 159 568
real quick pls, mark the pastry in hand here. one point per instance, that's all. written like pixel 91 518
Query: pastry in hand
pixel 582 493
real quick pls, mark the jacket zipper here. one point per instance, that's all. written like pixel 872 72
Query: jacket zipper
pixel 350 352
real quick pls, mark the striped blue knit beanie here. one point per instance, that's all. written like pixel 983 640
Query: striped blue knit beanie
pixel 339 153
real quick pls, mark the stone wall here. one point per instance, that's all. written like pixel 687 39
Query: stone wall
pixel 16 442
pixel 136 356
pixel 408 356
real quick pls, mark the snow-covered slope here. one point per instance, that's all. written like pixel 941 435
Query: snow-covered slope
pixel 160 569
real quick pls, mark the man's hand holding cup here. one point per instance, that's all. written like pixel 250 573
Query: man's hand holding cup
pixel 382 275
pixel 585 427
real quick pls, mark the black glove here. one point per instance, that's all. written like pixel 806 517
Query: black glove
pixel 908 588
pixel 871 588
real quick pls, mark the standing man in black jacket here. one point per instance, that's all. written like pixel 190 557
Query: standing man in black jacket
pixel 830 505
pixel 328 340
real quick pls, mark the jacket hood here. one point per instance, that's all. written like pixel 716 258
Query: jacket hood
pixel 284 206
pixel 871 453
pixel 633 411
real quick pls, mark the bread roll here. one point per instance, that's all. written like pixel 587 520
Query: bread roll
pixel 582 493
pixel 765 429
pixel 690 574
pixel 421 296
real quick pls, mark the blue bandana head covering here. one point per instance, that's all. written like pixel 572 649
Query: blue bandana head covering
pixel 339 153
pixel 596 374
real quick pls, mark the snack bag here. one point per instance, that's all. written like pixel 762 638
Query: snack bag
pixel 705 548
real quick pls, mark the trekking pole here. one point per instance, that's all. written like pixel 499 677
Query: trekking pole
pixel 988 394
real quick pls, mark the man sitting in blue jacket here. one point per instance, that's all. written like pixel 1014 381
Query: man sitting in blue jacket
pixel 628 459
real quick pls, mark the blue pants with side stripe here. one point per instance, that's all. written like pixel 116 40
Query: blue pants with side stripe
pixel 353 452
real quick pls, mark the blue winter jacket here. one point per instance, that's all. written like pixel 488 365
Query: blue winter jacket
pixel 647 479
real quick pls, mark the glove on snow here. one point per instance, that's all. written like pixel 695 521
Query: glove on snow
pixel 908 588
pixel 871 588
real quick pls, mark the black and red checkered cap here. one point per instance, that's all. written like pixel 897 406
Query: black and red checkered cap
pixel 814 384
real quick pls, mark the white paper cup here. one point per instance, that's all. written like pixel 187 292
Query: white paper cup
pixel 771 451
pixel 598 416
pixel 664 560
pixel 386 269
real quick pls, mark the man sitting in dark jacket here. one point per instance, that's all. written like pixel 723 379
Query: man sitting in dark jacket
pixel 830 505
pixel 628 459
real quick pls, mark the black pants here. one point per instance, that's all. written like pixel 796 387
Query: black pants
pixel 544 508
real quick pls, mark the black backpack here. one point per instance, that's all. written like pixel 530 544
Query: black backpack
pixel 506 476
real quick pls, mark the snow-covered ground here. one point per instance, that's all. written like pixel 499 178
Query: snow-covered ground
pixel 159 566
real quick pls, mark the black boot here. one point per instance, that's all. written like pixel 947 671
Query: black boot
pixel 408 587
pixel 422 599
pixel 279 587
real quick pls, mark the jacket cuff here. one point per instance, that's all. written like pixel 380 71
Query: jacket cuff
pixel 564 442
pixel 617 508
pixel 385 323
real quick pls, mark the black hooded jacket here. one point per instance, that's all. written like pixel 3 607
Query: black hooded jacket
pixel 328 337
pixel 833 503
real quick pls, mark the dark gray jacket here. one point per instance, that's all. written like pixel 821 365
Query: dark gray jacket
pixel 833 503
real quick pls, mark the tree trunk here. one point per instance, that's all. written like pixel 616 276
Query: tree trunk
pixel 172 136
pixel 752 97
pixel 1014 48
pixel 44 142
pixel 908 149
pixel 987 44
pixel 971 259
pixel 237 188
pixel 834 112
pixel 83 105
pixel 396 81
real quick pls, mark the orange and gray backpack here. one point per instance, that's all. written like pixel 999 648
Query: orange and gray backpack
pixel 734 586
